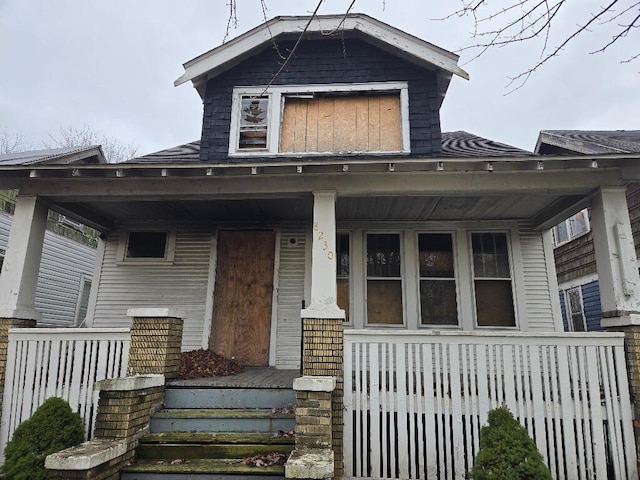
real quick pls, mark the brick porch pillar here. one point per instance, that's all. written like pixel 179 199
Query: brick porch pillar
pixel 156 340
pixel 619 280
pixel 322 339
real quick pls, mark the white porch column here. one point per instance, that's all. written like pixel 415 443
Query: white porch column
pixel 323 259
pixel 22 260
pixel 615 258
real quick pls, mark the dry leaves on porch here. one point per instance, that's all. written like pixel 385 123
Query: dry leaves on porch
pixel 205 363
pixel 266 459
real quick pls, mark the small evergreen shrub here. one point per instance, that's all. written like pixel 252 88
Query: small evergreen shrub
pixel 51 428
pixel 507 452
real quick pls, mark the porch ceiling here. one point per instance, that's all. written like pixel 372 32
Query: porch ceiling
pixel 105 215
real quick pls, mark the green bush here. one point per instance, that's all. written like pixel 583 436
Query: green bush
pixel 51 428
pixel 507 452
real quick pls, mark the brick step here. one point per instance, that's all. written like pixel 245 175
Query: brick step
pixel 201 469
pixel 227 397
pixel 221 420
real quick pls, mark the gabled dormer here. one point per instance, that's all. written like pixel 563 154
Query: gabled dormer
pixel 354 86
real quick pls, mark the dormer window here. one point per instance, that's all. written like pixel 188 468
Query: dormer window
pixel 320 119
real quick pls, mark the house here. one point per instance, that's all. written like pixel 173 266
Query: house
pixel 573 241
pixel 68 253
pixel 323 198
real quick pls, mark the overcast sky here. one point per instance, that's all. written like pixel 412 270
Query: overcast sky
pixel 111 65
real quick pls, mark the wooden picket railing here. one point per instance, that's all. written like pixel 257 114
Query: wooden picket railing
pixel 59 362
pixel 415 401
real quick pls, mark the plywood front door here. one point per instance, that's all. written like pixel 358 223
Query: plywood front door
pixel 241 326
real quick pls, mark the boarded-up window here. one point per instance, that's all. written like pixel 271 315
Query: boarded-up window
pixel 352 123
pixel 438 305
pixel 343 262
pixel 492 280
pixel 384 280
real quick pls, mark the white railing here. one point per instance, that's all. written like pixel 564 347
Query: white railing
pixel 59 362
pixel 415 401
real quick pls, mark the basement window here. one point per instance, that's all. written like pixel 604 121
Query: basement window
pixel 320 119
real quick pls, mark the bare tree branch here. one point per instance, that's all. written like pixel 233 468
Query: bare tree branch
pixel 12 142
pixel 114 150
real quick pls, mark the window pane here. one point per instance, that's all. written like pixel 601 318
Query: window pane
pixel 384 302
pixel 343 296
pixel 383 255
pixel 490 255
pixel 438 302
pixel 435 251
pixel 561 233
pixel 579 223
pixel 342 259
pixel 253 123
pixel 494 303
pixel 146 244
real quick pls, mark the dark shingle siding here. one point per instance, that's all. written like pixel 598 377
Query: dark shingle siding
pixel 323 61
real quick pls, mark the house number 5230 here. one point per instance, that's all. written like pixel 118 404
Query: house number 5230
pixel 320 237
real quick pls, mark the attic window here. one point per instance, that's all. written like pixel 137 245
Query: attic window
pixel 320 119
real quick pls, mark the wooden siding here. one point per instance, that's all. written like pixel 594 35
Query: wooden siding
pixel 290 296
pixel 321 62
pixel 539 309
pixel 181 284
pixel 63 264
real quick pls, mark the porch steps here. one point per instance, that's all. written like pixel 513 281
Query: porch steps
pixel 206 431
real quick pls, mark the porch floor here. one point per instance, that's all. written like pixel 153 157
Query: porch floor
pixel 252 377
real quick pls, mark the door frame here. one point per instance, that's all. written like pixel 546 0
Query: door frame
pixel 211 283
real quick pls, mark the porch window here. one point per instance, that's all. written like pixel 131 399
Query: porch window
pixel 384 279
pixel 492 280
pixel 147 245
pixel 322 118
pixel 438 305
pixel 575 309
pixel 343 271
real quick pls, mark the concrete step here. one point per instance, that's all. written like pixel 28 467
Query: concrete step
pixel 200 469
pixel 181 397
pixel 171 451
pixel 226 438
pixel 221 420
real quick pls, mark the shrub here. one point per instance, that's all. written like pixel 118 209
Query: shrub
pixel 51 428
pixel 507 452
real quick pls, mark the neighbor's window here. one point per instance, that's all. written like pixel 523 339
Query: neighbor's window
pixel 327 118
pixel 492 280
pixel 575 310
pixel 343 261
pixel 384 279
pixel 571 228
pixel 438 305
pixel 147 245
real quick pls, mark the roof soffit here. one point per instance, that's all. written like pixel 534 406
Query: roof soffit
pixel 386 37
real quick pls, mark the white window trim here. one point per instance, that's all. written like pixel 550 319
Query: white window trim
pixel 403 278
pixel 276 95
pixel 512 279
pixel 570 235
pixel 569 313
pixel 170 247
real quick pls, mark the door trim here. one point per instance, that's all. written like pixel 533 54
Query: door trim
pixel 274 299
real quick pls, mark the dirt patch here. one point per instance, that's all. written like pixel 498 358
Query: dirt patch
pixel 205 363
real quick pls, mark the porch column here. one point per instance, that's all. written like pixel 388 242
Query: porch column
pixel 322 341
pixel 22 260
pixel 619 280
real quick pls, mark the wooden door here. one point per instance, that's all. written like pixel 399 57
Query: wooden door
pixel 241 325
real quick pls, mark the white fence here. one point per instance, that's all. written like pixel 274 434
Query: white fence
pixel 415 401
pixel 59 362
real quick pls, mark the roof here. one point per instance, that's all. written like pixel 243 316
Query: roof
pixel 214 62
pixel 588 141
pixel 454 144
pixel 59 156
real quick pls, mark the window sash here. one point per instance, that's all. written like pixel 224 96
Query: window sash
pixel 384 278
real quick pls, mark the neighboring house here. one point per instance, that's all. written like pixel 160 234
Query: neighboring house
pixel 574 250
pixel 68 254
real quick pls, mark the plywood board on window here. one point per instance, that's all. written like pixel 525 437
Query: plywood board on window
pixel 355 123
pixel 343 296
pixel 384 302
pixel 241 322
pixel 494 303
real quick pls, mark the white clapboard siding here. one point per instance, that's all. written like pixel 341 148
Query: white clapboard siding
pixel 536 281
pixel 290 294
pixel 415 401
pixel 63 265
pixel 181 284
pixel 59 362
